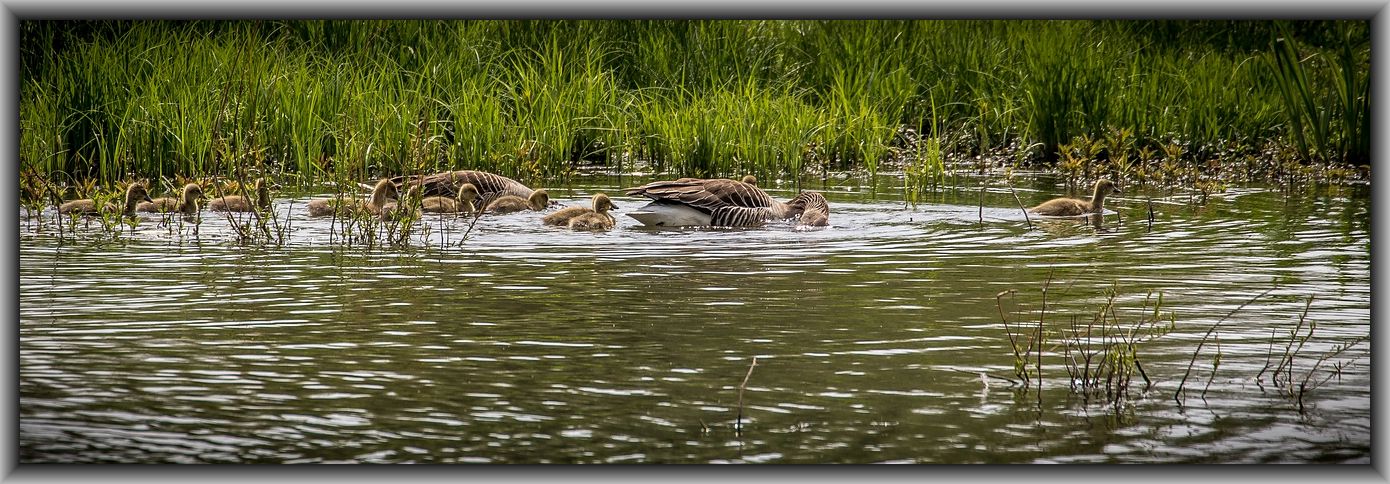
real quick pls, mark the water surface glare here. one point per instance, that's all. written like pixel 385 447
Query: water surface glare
pixel 534 344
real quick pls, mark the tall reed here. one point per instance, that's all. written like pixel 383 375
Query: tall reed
pixel 536 99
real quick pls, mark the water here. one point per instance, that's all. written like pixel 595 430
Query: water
pixel 533 344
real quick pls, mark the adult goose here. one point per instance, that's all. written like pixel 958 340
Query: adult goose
pixel 187 204
pixel 722 202
pixel 490 186
pixel 593 218
pixel 1068 207
pixel 134 194
pixel 383 192
pixel 240 203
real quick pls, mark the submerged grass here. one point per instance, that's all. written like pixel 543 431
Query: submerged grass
pixel 535 100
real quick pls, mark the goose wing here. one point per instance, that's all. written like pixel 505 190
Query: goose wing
pixel 706 195
pixel 445 184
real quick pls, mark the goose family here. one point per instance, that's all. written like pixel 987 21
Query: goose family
pixel 1070 207
pixel 585 218
pixel 187 204
pixel 240 203
pixel 681 202
pixel 722 202
pixel 134 194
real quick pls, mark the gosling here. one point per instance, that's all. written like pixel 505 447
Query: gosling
pixel 403 208
pixel 467 194
pixel 538 201
pixel 562 217
pixel 133 195
pixel 596 219
pixel 1069 207
pixel 384 192
pixel 188 204
pixel 238 203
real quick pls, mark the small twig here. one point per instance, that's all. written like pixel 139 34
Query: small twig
pixel 738 427
pixel 1042 315
pixel 1013 343
pixel 1026 218
pixel 1215 364
pixel 1012 382
pixel 982 203
pixel 1151 214
pixel 1190 364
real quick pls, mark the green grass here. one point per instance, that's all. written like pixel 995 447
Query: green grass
pixel 354 100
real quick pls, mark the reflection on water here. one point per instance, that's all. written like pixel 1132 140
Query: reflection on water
pixel 537 344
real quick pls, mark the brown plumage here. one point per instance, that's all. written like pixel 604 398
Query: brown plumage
pixel 750 179
pixel 467 194
pixel 1068 207
pixel 719 202
pixel 187 204
pixel 133 196
pixel 383 192
pixel 594 216
pixel 490 186
pixel 407 206
pixel 240 203
pixel 538 200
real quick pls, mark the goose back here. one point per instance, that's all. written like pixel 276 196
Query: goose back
pixel 1070 207
pixel 730 203
pixel 490 186
pixel 133 196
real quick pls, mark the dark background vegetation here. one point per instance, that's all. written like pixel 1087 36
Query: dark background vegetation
pixel 113 99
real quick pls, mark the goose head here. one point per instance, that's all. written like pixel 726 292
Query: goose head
pixel 384 190
pixel 1103 187
pixel 538 200
pixel 192 192
pixel 814 209
pixel 135 194
pixel 262 193
pixel 602 204
pixel 468 193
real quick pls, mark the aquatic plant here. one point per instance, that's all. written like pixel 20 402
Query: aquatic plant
pixel 1100 358
pixel 538 99
pixel 1283 376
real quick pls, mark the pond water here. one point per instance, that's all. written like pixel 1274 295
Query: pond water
pixel 534 344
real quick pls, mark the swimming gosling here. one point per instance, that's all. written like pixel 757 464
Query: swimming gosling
pixel 1068 207
pixel 598 218
pixel 467 194
pixel 384 192
pixel 400 209
pixel 187 204
pixel 238 203
pixel 538 201
pixel 566 216
pixel 133 195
